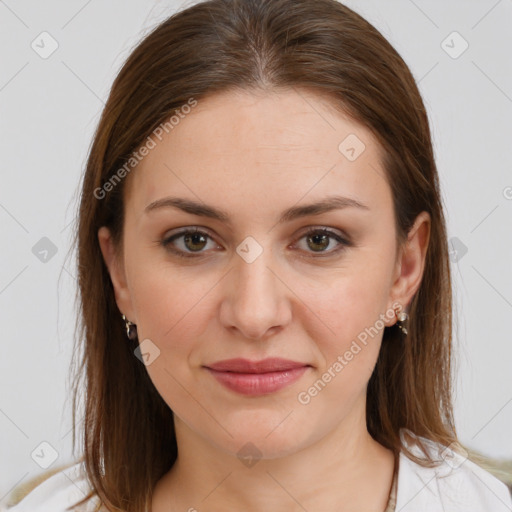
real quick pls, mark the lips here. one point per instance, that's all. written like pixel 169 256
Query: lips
pixel 257 377
pixel 239 365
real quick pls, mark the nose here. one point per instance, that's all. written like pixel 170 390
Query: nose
pixel 256 301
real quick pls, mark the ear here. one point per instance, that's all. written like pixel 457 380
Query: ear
pixel 411 262
pixel 114 261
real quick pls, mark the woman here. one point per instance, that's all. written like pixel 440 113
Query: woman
pixel 264 278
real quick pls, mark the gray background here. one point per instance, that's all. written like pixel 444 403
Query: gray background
pixel 49 110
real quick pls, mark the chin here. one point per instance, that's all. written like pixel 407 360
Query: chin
pixel 254 446
pixel 263 437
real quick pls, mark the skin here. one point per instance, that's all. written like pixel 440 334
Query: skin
pixel 253 155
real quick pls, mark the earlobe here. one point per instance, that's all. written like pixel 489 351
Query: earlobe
pixel 116 270
pixel 411 263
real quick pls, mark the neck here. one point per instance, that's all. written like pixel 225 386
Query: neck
pixel 344 470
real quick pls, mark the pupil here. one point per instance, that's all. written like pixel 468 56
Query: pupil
pixel 315 239
pixel 193 238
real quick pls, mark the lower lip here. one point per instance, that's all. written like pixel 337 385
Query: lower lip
pixel 258 383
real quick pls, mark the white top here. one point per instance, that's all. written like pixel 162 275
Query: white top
pixel 457 485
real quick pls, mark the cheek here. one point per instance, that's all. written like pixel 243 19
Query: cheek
pixel 348 353
pixel 352 302
pixel 349 318
pixel 171 309
pixel 169 302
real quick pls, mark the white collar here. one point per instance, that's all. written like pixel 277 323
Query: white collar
pixel 455 485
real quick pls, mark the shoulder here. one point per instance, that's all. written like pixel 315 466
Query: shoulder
pixel 456 483
pixel 59 491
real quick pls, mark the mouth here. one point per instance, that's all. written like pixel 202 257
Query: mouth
pixel 257 377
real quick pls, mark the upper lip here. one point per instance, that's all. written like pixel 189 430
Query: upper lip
pixel 239 365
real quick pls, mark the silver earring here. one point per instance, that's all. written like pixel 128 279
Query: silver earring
pixel 131 329
pixel 401 316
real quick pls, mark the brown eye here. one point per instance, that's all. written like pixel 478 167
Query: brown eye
pixel 188 243
pixel 324 242
pixel 194 241
pixel 318 241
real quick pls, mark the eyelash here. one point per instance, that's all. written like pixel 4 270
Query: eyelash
pixel 166 242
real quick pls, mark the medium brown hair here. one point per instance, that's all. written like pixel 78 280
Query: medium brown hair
pixel 222 45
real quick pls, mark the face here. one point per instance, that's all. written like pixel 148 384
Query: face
pixel 250 272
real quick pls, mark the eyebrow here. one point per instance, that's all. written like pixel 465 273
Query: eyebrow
pixel 295 212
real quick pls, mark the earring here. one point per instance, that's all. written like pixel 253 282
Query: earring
pixel 131 329
pixel 401 316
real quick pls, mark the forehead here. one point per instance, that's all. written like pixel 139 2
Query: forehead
pixel 278 146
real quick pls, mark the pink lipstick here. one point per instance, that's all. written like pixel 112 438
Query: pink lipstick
pixel 257 377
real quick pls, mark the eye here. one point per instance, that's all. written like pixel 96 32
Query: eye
pixel 188 243
pixel 193 242
pixel 319 240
